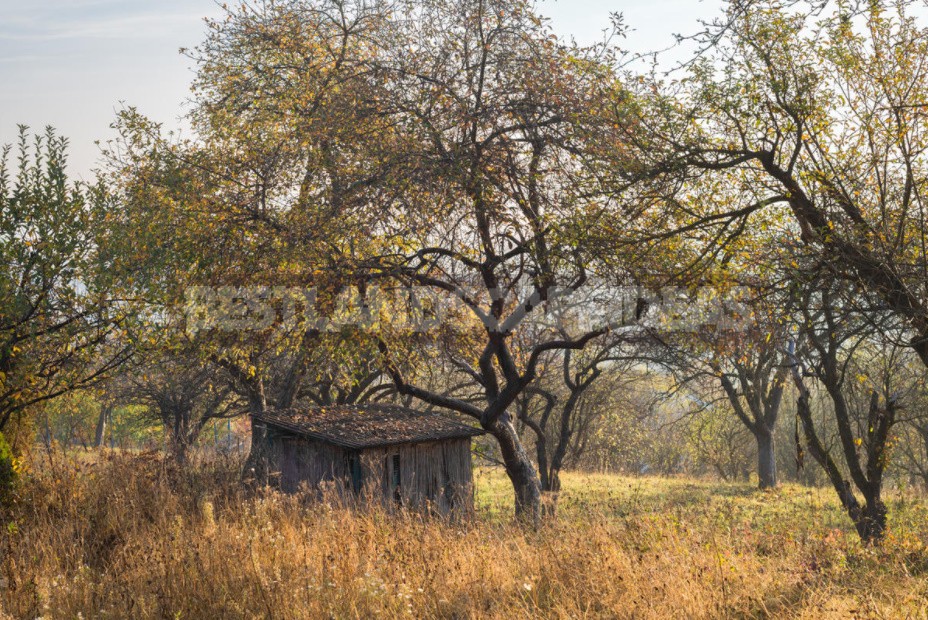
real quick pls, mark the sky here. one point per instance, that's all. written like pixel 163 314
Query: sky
pixel 73 63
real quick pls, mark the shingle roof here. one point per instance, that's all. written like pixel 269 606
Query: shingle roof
pixel 368 426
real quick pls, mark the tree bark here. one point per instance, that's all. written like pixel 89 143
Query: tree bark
pixel 520 470
pixel 541 454
pixel 179 434
pixel 255 466
pixel 100 433
pixel 766 459
pixel 871 521
pixel 554 480
pixel 179 450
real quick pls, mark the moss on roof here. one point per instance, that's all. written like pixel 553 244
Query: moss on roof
pixel 368 426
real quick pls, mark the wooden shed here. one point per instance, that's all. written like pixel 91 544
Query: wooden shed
pixel 372 452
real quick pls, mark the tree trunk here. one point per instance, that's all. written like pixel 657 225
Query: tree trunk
pixel 179 438
pixel 520 470
pixel 549 479
pixel 557 462
pixel 766 459
pixel 551 493
pixel 255 463
pixel 554 480
pixel 179 450
pixel 871 521
pixel 255 469
pixel 100 433
pixel 541 454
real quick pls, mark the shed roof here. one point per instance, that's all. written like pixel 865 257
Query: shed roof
pixel 368 426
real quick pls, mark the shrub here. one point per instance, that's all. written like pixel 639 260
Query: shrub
pixel 8 469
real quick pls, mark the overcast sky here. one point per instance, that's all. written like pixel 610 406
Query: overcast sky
pixel 73 63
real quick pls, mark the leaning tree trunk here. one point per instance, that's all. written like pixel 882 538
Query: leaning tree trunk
pixel 869 519
pixel 766 459
pixel 520 470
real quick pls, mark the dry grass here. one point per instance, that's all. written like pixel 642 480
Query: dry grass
pixel 130 537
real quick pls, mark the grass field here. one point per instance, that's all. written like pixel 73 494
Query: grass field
pixel 132 537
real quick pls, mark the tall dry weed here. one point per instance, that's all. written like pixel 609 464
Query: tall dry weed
pixel 132 536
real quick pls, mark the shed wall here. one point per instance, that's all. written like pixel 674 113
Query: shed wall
pixel 293 461
pixel 436 476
